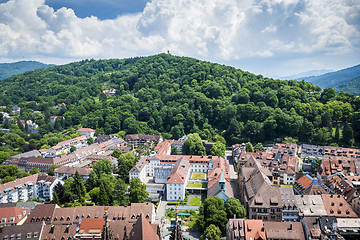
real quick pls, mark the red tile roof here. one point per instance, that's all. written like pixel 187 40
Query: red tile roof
pixel 85 130
pixel 16 212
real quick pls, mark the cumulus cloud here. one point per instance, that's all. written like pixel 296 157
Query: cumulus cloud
pixel 225 30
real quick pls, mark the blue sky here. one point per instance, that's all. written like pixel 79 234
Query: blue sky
pixel 103 9
pixel 268 37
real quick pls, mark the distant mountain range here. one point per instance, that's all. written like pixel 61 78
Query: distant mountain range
pixel 9 69
pixel 304 74
pixel 346 80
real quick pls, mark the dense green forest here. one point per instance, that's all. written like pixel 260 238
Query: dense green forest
pixel 9 69
pixel 173 96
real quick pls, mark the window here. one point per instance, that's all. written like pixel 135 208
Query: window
pixel 3 220
pixel 18 236
pixel 28 235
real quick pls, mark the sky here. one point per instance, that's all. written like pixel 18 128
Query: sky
pixel 268 37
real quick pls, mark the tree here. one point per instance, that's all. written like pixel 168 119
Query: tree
pixel 337 134
pixel 218 149
pixel 249 147
pixel 72 148
pixel 34 171
pixel 78 186
pixel 60 192
pixel 326 121
pixel 51 169
pixel 55 198
pixel 212 211
pixel 193 145
pixel 125 163
pixel 234 207
pixel 8 170
pixel 174 151
pixel 116 153
pixel 90 141
pixel 138 193
pixel 212 232
pixel 103 166
pixel 119 195
pixel 259 148
pixel 348 135
pixel 103 196
pixel 94 194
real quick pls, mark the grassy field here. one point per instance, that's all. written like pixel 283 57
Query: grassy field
pixel 197 184
pixel 195 201
pixel 284 185
pixel 198 175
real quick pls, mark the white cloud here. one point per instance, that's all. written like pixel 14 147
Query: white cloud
pixel 209 29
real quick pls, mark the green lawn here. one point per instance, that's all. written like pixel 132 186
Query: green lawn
pixel 198 175
pixel 195 201
pixel 284 185
pixel 197 184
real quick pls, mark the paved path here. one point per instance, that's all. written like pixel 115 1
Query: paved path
pixel 160 212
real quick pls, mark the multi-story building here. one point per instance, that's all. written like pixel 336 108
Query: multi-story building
pixel 165 168
pixel 88 132
pixel 39 186
pixel 12 215
pixel 177 180
pixel 67 171
pixel 141 139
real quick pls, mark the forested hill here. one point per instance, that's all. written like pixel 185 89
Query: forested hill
pixel 179 95
pixel 9 69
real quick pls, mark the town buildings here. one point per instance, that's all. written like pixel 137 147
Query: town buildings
pixel 39 186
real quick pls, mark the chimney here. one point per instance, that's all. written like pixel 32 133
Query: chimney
pixel 234 216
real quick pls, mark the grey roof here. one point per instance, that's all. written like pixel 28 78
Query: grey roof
pixel 32 153
pixel 214 190
pixel 310 205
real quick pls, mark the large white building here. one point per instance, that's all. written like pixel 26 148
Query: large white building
pixel 39 186
pixel 175 171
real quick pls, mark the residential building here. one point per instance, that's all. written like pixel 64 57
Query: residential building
pixel 235 229
pixel 339 184
pixel 254 230
pixel 290 212
pixel 15 110
pixel 336 206
pixel 311 227
pixel 52 214
pixel 139 170
pixel 58 232
pixel 110 93
pixel 67 171
pixel 261 198
pixel 39 186
pixel 349 227
pixel 88 132
pixel 28 232
pixel 141 140
pixel 284 230
pixel 355 204
pixel 12 215
pixel 310 205
pixel 328 227
pixel 220 187
pixel 312 151
pixel 308 185
pixel 53 119
pixel 177 180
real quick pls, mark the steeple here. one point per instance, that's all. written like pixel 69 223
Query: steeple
pixel 176 233
pixel 106 234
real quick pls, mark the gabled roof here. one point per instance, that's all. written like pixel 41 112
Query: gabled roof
pixel 143 230
pixel 15 212
pixel 179 172
pixel 72 170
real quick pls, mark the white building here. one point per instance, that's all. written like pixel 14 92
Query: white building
pixel 39 186
pixel 177 180
pixel 139 170
pixel 88 132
